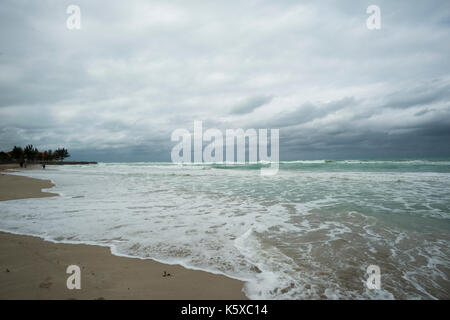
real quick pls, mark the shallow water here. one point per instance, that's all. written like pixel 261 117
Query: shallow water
pixel 308 232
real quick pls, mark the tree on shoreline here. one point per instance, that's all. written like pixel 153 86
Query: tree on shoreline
pixel 61 154
pixel 16 153
pixel 48 155
pixel 30 153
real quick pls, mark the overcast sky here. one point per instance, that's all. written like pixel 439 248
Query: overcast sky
pixel 136 70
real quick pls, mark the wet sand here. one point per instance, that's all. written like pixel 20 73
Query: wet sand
pixel 14 187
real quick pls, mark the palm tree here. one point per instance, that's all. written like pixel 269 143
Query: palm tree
pixel 61 153
pixel 30 152
pixel 17 153
pixel 49 156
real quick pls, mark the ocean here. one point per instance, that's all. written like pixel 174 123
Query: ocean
pixel 309 232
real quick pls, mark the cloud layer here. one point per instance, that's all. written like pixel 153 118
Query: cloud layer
pixel 117 88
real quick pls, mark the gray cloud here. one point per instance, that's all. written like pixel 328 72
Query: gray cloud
pixel 118 87
pixel 250 104
pixel 419 96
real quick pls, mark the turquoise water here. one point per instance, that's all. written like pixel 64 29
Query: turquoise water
pixel 371 165
pixel 308 232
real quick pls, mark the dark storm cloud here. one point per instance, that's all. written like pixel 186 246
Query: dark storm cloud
pixel 250 104
pixel 307 112
pixel 118 87
pixel 419 96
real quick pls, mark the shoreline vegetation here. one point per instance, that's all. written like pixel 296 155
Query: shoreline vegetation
pixel 32 155
pixel 33 268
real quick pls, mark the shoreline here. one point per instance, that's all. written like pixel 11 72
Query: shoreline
pixel 15 187
pixel 35 268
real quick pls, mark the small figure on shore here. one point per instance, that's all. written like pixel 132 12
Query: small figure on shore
pixel 21 163
pixel 25 163
pixel 43 166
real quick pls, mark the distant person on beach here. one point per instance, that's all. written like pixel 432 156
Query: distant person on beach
pixel 25 163
pixel 21 164
pixel 43 166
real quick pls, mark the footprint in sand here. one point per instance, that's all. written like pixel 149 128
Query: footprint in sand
pixel 46 283
pixel 165 274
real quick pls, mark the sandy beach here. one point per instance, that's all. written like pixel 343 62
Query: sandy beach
pixel 31 268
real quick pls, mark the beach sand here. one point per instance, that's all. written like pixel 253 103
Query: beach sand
pixel 17 187
pixel 31 268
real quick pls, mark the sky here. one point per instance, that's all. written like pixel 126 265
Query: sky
pixel 115 89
